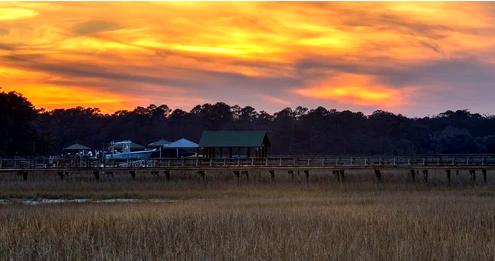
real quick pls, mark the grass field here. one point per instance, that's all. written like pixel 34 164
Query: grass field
pixel 218 221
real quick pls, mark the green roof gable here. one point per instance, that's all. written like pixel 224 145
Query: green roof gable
pixel 234 139
pixel 159 143
pixel 77 147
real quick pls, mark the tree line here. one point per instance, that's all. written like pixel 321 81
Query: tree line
pixel 27 131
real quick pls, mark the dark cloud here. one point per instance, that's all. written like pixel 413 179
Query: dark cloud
pixel 95 26
pixel 203 82
pixel 8 47
pixel 438 85
pixel 451 72
pixel 4 31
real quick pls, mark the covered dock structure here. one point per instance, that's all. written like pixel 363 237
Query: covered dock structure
pixel 77 148
pixel 234 144
pixel 183 147
pixel 160 144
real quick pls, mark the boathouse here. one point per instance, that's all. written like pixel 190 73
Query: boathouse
pixel 234 144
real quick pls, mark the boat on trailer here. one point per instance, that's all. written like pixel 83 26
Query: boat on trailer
pixel 122 150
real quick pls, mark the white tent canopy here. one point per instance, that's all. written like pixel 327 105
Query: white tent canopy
pixel 182 144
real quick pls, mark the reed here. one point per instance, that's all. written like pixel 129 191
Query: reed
pixel 281 222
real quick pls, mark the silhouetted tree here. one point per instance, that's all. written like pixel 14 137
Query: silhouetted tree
pixel 17 133
pixel 292 131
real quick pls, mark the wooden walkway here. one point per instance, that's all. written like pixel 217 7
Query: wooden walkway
pixel 338 166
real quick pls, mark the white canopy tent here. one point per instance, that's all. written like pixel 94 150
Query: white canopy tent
pixel 181 144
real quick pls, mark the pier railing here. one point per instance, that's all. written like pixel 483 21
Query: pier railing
pixel 290 161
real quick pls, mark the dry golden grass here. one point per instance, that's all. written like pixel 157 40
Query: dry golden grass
pixel 262 222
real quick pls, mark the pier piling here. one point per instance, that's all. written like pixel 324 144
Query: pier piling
pixel 272 175
pixel 291 173
pixel 413 175
pixel 202 174
pixel 61 174
pixel 425 175
pixel 167 175
pixel 133 174
pixel 96 173
pixel 378 175
pixel 245 173
pixel 485 178
pixel 472 172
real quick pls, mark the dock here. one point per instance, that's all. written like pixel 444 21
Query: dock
pixel 417 167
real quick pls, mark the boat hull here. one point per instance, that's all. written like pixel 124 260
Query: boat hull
pixel 134 155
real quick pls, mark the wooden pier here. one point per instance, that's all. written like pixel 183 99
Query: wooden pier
pixel 418 167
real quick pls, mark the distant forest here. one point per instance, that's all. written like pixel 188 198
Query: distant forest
pixel 26 131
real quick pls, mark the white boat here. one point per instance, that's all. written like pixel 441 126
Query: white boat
pixel 122 150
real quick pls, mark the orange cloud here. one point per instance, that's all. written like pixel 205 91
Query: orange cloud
pixel 53 97
pixel 354 89
pixel 16 13
pixel 180 53
pixel 275 100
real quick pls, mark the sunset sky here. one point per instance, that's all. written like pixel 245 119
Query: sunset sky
pixel 411 58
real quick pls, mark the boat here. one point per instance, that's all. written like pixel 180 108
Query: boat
pixel 123 150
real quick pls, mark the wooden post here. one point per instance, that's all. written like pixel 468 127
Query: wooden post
pixel 485 178
pixel 23 174
pixel 306 174
pixel 413 175
pixel 202 173
pixel 337 174
pixel 473 175
pixel 245 172
pixel 96 173
pixel 272 175
pixel 291 173
pixel 167 174
pixel 425 175
pixel 378 175
pixel 449 178
pixel 133 174
pixel 342 175
pixel 237 176
pixel 61 174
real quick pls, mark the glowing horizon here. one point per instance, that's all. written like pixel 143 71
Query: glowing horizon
pixel 411 58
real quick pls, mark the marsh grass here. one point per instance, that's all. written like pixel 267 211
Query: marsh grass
pixel 253 222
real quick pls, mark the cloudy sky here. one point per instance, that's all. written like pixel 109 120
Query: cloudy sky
pixel 416 59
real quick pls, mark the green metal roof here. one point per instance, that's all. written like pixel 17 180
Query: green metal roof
pixel 159 143
pixel 77 147
pixel 234 139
